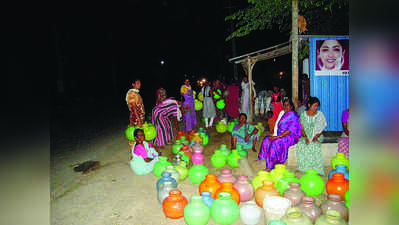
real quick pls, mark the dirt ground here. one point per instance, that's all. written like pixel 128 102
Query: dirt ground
pixel 113 194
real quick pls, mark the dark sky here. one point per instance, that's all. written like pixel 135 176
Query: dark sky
pixel 95 49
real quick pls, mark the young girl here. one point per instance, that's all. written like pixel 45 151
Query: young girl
pixel 144 156
pixel 271 121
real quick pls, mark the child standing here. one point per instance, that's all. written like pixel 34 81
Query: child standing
pixel 271 121
pixel 144 156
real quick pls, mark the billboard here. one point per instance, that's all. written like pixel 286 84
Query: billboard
pixel 332 57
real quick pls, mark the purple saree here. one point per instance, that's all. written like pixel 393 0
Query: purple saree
pixel 276 152
pixel 189 117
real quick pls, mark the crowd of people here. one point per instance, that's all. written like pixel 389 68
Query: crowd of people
pixel 302 125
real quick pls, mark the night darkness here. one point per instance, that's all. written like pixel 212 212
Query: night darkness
pixel 101 48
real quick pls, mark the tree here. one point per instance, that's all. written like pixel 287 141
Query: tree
pixel 322 16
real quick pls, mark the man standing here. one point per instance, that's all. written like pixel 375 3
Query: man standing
pixel 245 101
pixel 135 104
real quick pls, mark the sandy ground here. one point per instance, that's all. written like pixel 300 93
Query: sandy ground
pixel 113 194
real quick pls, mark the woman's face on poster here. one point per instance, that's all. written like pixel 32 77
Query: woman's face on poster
pixel 331 54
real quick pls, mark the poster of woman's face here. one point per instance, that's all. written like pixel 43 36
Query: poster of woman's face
pixel 332 57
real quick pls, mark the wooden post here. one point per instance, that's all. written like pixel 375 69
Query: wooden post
pixel 250 62
pixel 251 108
pixel 294 50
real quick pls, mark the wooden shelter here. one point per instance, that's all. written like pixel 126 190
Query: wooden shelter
pixel 248 62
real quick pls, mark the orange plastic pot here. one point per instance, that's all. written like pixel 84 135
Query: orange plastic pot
pixel 210 184
pixel 338 185
pixel 229 188
pixel 173 205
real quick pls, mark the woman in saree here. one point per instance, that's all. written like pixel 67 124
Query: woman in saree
pixel 287 132
pixel 144 156
pixel 244 134
pixel 165 108
pixel 232 101
pixel 189 117
pixel 308 149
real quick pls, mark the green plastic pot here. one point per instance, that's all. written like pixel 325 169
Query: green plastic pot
pixel 218 159
pixel 258 180
pixel 130 133
pixel 347 199
pixel 149 131
pixel 224 209
pixel 182 169
pixel 311 183
pixel 161 165
pixel 278 172
pixel 198 105
pixel 231 125
pixel 176 147
pixel 205 138
pixel 233 158
pixel 225 151
pixel 340 159
pixel 196 212
pixel 221 127
pixel 284 183
pixel 220 104
pixel 197 173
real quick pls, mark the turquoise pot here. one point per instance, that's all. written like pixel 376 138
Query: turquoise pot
pixel 207 199
pixel 339 169
pixel 166 176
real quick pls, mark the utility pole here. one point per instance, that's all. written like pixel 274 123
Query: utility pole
pixel 294 39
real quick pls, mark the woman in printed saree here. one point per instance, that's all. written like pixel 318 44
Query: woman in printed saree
pixel 287 132
pixel 165 108
pixel 135 104
pixel 244 134
pixel 308 149
pixel 144 156
pixel 189 117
